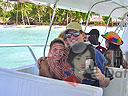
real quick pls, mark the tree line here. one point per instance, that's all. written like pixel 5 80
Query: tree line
pixel 31 14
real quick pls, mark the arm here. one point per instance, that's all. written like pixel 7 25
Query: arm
pixel 44 69
pixel 125 64
pixel 100 73
pixel 103 81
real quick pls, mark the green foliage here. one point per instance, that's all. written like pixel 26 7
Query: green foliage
pixel 26 13
pixel 105 18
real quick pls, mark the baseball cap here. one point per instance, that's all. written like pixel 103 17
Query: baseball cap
pixel 74 25
pixel 94 32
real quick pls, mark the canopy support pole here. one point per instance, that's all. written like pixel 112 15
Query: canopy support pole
pixel 111 14
pixel 122 7
pixel 32 53
pixel 89 12
pixel 51 22
pixel 110 17
pixel 120 24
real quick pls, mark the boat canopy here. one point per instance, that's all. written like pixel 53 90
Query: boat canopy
pixel 102 7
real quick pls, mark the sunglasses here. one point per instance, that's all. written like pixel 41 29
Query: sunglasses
pixel 75 34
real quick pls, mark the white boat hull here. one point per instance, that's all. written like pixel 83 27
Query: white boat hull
pixel 13 83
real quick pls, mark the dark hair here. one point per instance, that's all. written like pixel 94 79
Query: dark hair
pixel 112 46
pixel 117 55
pixel 57 40
pixel 94 32
pixel 72 55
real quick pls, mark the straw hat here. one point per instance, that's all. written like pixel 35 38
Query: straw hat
pixel 113 38
pixel 74 25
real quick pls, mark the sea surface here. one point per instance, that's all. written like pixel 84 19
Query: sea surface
pixel 13 57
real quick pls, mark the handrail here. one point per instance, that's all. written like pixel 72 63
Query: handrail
pixel 89 11
pixel 125 7
pixel 21 45
pixel 32 53
pixel 111 14
pixel 25 45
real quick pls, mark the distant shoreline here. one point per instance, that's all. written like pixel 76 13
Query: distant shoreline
pixel 30 26
pixel 100 28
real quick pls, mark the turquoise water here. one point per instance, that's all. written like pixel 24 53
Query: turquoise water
pixel 12 57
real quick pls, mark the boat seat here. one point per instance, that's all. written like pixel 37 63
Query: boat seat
pixel 119 85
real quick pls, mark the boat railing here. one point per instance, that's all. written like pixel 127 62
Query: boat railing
pixel 25 45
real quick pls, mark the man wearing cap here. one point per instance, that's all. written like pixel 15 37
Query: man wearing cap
pixel 73 35
pixel 93 38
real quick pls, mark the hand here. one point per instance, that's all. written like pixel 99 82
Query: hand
pixel 43 67
pixel 41 60
pixel 104 82
pixel 99 75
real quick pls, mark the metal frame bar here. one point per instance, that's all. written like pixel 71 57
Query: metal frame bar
pixel 21 45
pixel 32 53
pixel 89 12
pixel 118 26
pixel 51 23
pixel 111 14
pixel 119 4
pixel 24 45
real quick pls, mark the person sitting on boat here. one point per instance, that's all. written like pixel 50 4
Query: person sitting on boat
pixel 114 53
pixel 73 35
pixel 82 59
pixel 93 38
pixel 56 66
